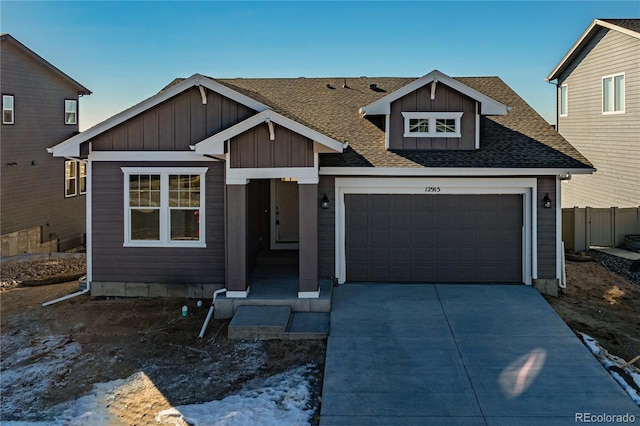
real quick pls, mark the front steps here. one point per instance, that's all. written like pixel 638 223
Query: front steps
pixel 277 322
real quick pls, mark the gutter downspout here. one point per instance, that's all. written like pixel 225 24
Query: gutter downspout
pixel 69 296
pixel 210 313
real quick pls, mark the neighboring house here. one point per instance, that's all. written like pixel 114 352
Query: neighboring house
pixel 435 179
pixel 598 108
pixel 42 198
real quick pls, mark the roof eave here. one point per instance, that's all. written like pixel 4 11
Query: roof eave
pixel 48 65
pixel 585 37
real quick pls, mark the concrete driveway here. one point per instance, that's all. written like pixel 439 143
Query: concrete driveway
pixel 458 355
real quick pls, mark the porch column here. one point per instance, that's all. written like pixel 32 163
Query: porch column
pixel 237 284
pixel 308 234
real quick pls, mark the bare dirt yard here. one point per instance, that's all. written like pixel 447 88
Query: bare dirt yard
pixel 56 354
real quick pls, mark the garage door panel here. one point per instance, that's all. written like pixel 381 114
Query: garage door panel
pixel 434 238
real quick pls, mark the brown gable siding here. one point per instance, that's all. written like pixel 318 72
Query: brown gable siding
pixel 253 149
pixel 446 100
pixel 114 263
pixel 175 124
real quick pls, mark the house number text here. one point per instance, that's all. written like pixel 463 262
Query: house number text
pixel 432 189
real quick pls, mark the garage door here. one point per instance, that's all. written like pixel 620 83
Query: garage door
pixel 433 238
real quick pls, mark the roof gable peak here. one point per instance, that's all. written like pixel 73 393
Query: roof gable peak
pixel 382 106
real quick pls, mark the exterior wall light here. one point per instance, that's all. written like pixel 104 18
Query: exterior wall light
pixel 324 203
pixel 546 201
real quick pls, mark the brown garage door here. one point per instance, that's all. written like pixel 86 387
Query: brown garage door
pixel 434 238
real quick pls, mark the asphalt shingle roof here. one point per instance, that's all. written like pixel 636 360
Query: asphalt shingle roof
pixel 520 139
pixel 630 24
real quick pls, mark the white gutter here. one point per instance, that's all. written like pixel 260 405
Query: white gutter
pixel 69 296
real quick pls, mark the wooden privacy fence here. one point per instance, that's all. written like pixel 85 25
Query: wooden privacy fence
pixel 587 226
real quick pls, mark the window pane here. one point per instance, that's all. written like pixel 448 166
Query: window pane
pixel 563 100
pixel 445 125
pixel 70 187
pixel 182 189
pixel 619 93
pixel 419 125
pixel 7 116
pixel 606 94
pixel 7 102
pixel 145 224
pixel 185 225
pixel 70 117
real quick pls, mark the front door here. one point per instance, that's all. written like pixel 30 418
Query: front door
pixel 284 214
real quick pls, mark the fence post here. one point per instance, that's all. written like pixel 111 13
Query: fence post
pixel 614 218
pixel 587 224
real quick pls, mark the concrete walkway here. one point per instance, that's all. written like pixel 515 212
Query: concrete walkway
pixel 458 355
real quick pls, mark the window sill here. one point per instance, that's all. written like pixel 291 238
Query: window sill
pixel 176 244
pixel 613 112
pixel 432 135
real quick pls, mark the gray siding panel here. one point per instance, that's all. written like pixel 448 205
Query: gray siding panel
pixel 175 124
pixel 326 229
pixel 610 142
pixel 32 189
pixel 253 149
pixel 546 228
pixel 446 100
pixel 434 238
pixel 114 263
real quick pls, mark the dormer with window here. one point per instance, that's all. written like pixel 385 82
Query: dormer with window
pixel 434 112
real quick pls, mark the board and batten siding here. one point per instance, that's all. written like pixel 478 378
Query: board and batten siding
pixel 446 100
pixel 254 149
pixel 166 265
pixel 326 229
pixel 175 124
pixel 610 141
pixel 546 229
pixel 32 181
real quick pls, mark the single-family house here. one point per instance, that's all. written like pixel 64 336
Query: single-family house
pixel 598 112
pixel 42 197
pixel 428 180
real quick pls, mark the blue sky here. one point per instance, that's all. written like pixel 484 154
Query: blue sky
pixel 127 51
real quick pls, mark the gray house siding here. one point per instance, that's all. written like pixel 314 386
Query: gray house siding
pixel 326 229
pixel 446 100
pixel 253 149
pixel 546 236
pixel 114 263
pixel 175 124
pixel 32 181
pixel 610 142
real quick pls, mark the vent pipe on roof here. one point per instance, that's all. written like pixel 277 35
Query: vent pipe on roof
pixel 344 85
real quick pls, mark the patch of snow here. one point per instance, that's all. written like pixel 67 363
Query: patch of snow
pixel 609 360
pixel 280 399
pixel 28 372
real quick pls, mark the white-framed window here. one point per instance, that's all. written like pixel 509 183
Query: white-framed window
pixel 432 124
pixel 564 100
pixel 8 111
pixel 164 207
pixel 70 178
pixel 82 177
pixel 613 94
pixel 70 111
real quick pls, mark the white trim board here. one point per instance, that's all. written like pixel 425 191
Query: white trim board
pixel 525 186
pixel 215 145
pixel 447 171
pixel 148 156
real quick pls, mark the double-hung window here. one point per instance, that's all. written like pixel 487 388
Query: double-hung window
pixel 8 112
pixel 70 111
pixel 564 100
pixel 613 94
pixel 70 178
pixel 164 207
pixel 432 124
pixel 82 182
